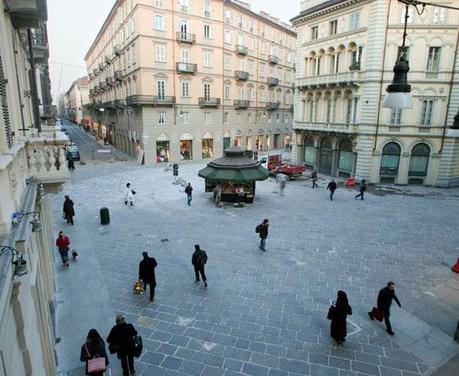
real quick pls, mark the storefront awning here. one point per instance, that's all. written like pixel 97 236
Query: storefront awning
pixel 234 175
pixel 163 137
pixel 186 137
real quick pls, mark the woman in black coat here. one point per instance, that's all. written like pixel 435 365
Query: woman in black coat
pixel 121 338
pixel 338 329
pixel 93 348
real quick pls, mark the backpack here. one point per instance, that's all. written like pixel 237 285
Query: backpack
pixel 257 229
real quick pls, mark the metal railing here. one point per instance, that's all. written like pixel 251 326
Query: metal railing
pixel 185 37
pixel 209 102
pixel 273 59
pixel 343 78
pixel 186 67
pixel 272 81
pixel 241 75
pixel 241 50
pixel 241 103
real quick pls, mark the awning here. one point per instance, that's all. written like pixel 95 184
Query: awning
pixel 234 175
pixel 186 137
pixel 207 136
pixel 163 137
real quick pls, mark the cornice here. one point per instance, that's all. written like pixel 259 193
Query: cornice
pixel 296 21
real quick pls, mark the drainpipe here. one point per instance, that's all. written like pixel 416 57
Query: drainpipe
pixel 33 83
pixel 449 97
pixel 21 105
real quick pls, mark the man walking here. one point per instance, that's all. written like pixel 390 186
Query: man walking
pixel 332 187
pixel 262 230
pixel 385 297
pixel 129 198
pixel 69 211
pixel 147 273
pixel 314 179
pixel 198 260
pixel 188 191
pixel 362 189
pixel 62 244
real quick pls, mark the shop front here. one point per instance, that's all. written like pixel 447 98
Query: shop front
pixel 309 153
pixel 162 148
pixel 346 159
pixel 226 140
pixel 186 146
pixel 325 156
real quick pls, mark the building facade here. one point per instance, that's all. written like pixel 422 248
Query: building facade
pixel 32 160
pixel 185 79
pixel 346 51
pixel 77 97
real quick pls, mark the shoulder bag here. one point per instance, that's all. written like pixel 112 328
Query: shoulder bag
pixel 96 364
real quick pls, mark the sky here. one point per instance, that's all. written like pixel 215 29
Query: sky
pixel 73 25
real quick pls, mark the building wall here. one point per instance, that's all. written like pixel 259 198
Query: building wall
pixel 141 68
pixel 356 93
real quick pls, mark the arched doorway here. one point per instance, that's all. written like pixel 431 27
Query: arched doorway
pixel 418 163
pixel 309 152
pixel 186 146
pixel 325 160
pixel 346 159
pixel 390 160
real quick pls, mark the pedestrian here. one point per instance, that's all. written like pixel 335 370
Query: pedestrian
pixel 198 260
pixel 362 189
pixel 189 191
pixel 69 211
pixel 122 339
pixel 93 348
pixel 129 198
pixel 262 230
pixel 282 185
pixel 338 314
pixel 70 162
pixel 147 273
pixel 385 297
pixel 314 179
pixel 62 243
pixel 332 187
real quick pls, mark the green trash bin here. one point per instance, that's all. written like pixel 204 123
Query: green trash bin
pixel 104 216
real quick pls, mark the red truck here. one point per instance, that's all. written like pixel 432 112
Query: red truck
pixel 276 165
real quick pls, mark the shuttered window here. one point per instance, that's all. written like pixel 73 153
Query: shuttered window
pixel 4 105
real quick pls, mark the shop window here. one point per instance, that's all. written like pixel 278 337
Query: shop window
pixel 207 148
pixel 162 151
pixel 186 149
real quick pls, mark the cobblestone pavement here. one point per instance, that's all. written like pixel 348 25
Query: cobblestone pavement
pixel 263 313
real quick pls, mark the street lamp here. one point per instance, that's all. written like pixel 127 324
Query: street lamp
pixel 17 259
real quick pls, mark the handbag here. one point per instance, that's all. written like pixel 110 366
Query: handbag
pixel 331 312
pixel 138 346
pixel 95 365
pixel 138 288
pixel 377 314
pixel 113 348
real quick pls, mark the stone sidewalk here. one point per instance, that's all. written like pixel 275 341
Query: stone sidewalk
pixel 263 313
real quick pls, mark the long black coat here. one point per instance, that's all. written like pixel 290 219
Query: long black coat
pixel 123 335
pixel 263 230
pixel 147 270
pixel 385 297
pixel 338 327
pixel 68 207
pixel 97 348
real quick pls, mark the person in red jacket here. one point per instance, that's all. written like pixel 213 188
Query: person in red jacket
pixel 62 244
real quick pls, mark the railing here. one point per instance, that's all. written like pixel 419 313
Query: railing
pixel 110 81
pixel 355 65
pixel 120 103
pixel 96 71
pixel 344 78
pixel 241 50
pixel 47 112
pixel 185 37
pixel 150 100
pixel 109 105
pixel 186 68
pixel 273 59
pixel 26 14
pixel 209 102
pixel 119 75
pixel 102 85
pixel 273 81
pixel 272 106
pixel 241 103
pixel 241 75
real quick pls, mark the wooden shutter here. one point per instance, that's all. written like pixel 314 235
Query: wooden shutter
pixel 4 105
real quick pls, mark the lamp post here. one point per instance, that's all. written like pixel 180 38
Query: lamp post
pixel 17 259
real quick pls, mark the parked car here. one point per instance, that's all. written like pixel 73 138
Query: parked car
pixel 73 152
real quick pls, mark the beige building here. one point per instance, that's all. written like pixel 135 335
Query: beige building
pixel 346 50
pixel 32 160
pixel 184 79
pixel 76 98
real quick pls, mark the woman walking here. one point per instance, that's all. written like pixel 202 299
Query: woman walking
pixel 121 339
pixel 62 244
pixel 93 348
pixel 129 198
pixel 338 314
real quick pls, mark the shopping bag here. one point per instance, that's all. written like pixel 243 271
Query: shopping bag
pixel 96 365
pixel 377 314
pixel 138 288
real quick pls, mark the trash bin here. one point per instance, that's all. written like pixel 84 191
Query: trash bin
pixel 104 216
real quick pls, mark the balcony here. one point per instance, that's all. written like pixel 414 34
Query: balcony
pixel 186 68
pixel 241 75
pixel 91 76
pixel 242 50
pixel 101 66
pixel 47 112
pixel 27 13
pixel 102 85
pixel 117 49
pixel 241 103
pixel 108 59
pixel 40 45
pixel 120 103
pixel 119 75
pixel 355 66
pixel 272 106
pixel 91 92
pixel 109 105
pixel 96 71
pixel 272 81
pixel 329 80
pixel 209 102
pixel 185 37
pixel 110 81
pixel 150 100
pixel 273 59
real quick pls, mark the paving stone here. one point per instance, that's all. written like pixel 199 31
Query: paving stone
pixel 264 360
pixel 399 364
pixel 208 359
pixel 339 363
pixel 366 368
pixel 152 358
pixel 153 371
pixel 254 370
pixel 293 365
pixel 319 370
pixel 367 358
pixel 390 371
pixel 171 362
pixel 213 371
pixel 191 368
pixel 238 354
pixel 232 365
pixel 167 349
pixel 318 358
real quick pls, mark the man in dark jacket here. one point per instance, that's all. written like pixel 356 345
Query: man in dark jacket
pixel 189 192
pixel 198 260
pixel 314 178
pixel 122 338
pixel 262 230
pixel 69 211
pixel 385 297
pixel 362 189
pixel 147 273
pixel 332 187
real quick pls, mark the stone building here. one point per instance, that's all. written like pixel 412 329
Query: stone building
pixel 184 79
pixel 32 161
pixel 77 97
pixel 346 50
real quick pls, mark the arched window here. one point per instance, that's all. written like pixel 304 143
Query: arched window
pixel 325 164
pixel 419 160
pixel 346 157
pixel 309 152
pixel 390 159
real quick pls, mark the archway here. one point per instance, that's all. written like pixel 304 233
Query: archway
pixel 418 163
pixel 309 152
pixel 346 158
pixel 390 160
pixel 325 160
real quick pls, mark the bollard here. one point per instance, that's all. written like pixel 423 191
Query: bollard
pixel 104 216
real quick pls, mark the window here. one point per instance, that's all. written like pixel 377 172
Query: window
pixel 226 117
pixel 251 26
pixel 206 92
pixel 426 112
pixel 185 88
pixel 207 59
pixel 207 32
pixel 183 5
pixel 207 118
pixel 290 58
pixel 333 27
pixel 227 62
pixel 160 23
pixel 250 95
pixel 278 118
pixel 439 15
pixel 433 60
pixel 355 105
pixel 251 66
pixel 161 118
pixel 160 53
pixel 262 95
pixel 390 159
pixel 227 91
pixel 207 9
pixel 240 92
pixel 161 86
pixel 313 113
pixel 262 69
pixel 227 36
pixel 227 17
pixel 240 22
pixel 419 160
pixel 396 116
pixel 158 3
pixel 355 20
pixel 184 55
pixel 262 48
pixel 251 44
pixel 184 28
pixel 185 117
